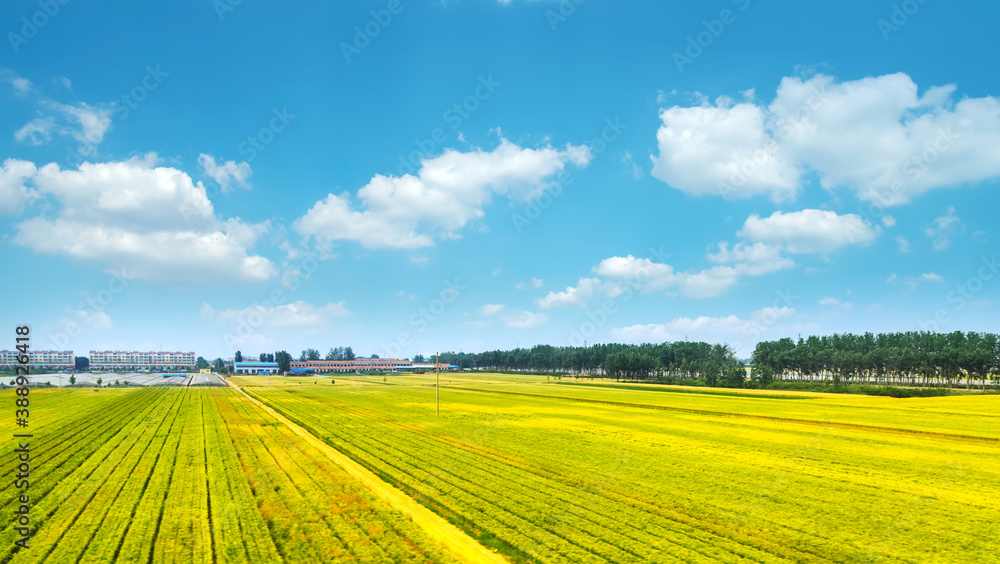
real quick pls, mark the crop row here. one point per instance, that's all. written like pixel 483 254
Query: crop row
pixel 55 478
pixel 544 518
pixel 71 513
pixel 314 510
pixel 198 475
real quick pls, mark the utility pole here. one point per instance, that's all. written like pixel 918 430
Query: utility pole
pixel 437 382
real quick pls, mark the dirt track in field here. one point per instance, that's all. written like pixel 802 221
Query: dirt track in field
pixel 462 545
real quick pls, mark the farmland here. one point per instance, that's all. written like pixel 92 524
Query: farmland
pixel 194 475
pixel 536 470
pixel 557 472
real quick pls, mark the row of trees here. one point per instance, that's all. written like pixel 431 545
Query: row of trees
pixel 680 360
pixel 913 357
pixel 335 353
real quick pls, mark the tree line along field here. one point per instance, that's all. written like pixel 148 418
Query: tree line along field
pixel 564 472
pixel 192 475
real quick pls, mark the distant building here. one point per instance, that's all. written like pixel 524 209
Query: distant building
pixel 254 367
pixel 39 359
pixel 356 365
pixel 138 360
pixel 363 365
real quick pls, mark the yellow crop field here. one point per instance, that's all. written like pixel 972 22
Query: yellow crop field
pixel 525 469
pixel 193 475
pixel 553 471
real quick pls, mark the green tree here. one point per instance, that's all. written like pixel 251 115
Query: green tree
pixel 284 361
pixel 201 363
pixel 72 380
pixel 81 363
pixel 238 357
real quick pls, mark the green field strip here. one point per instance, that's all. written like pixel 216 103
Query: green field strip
pixel 60 520
pixel 277 495
pixel 137 544
pixel 236 507
pixel 700 532
pixel 73 435
pixel 48 495
pixel 577 523
pixel 507 461
pixel 356 513
pixel 119 519
pixel 94 519
pixel 299 479
pixel 817 485
pixel 949 436
pixel 585 518
pixel 350 526
pixel 661 388
pixel 184 533
pixel 541 546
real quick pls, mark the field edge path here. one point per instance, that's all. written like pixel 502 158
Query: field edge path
pixel 460 544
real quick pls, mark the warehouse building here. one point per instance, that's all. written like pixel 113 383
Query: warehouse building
pixel 142 360
pixel 254 367
pixel 362 365
pixel 39 359
pixel 356 365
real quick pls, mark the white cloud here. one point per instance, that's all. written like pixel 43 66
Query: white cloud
pixel 489 310
pixel 710 149
pixel 37 131
pixel 738 332
pixel 63 81
pixel 535 283
pixel 914 281
pixel 902 244
pixel 631 166
pixel 835 303
pixel 523 319
pixel 646 276
pixel 92 123
pixel 298 315
pixel 806 231
pixel 98 320
pixel 875 135
pixel 226 174
pixel 632 268
pixel 448 192
pixel 420 261
pixel 943 228
pixel 810 230
pixel 496 271
pixel 153 222
pixel 756 259
pixel 22 86
pixel 513 318
pixel 14 194
pixel 578 295
pixel 888 221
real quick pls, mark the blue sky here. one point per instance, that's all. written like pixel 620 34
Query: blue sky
pixel 405 177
